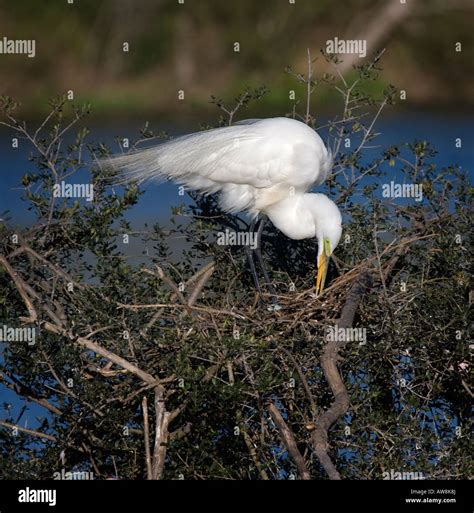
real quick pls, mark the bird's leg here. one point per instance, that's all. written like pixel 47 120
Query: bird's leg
pixel 249 253
pixel 253 270
pixel 258 254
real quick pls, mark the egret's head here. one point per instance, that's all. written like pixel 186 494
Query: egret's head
pixel 328 225
pixel 304 216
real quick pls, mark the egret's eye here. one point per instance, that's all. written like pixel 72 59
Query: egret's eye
pixel 327 247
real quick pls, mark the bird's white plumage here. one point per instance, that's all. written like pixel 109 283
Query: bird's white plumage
pixel 253 163
pixel 256 165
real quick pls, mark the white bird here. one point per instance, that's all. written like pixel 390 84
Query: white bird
pixel 259 166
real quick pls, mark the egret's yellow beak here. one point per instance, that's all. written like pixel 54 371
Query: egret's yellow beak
pixel 323 266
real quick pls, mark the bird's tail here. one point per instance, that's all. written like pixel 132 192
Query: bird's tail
pixel 194 154
pixel 136 166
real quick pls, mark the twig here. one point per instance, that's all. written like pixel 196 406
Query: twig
pixel 54 268
pixel 466 386
pixel 309 395
pixel 169 281
pixel 173 297
pixel 198 308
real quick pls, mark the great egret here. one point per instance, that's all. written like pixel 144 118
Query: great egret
pixel 260 166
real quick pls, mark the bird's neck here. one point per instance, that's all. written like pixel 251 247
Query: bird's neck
pixel 293 217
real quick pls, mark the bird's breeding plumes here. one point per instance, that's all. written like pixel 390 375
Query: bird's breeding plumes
pixel 253 163
pixel 258 166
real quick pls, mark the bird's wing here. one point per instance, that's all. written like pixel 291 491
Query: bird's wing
pixel 326 164
pixel 249 153
pixel 247 121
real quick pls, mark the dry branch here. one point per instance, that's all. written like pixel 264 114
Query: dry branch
pixel 20 285
pixel 27 431
pixel 146 432
pixel 162 420
pixel 200 285
pixel 253 453
pixel 329 360
pixel 288 439
pixel 96 348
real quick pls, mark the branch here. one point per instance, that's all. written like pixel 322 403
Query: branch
pixel 200 285
pixel 53 267
pixel 288 439
pixel 169 281
pixel 173 297
pixel 161 433
pixel 92 346
pixel 308 117
pixel 353 300
pixel 38 433
pixel 204 309
pixel 309 395
pixel 328 362
pixel 28 431
pixel 20 285
pixel 181 432
pixel 146 431
pixel 21 389
pixel 253 453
